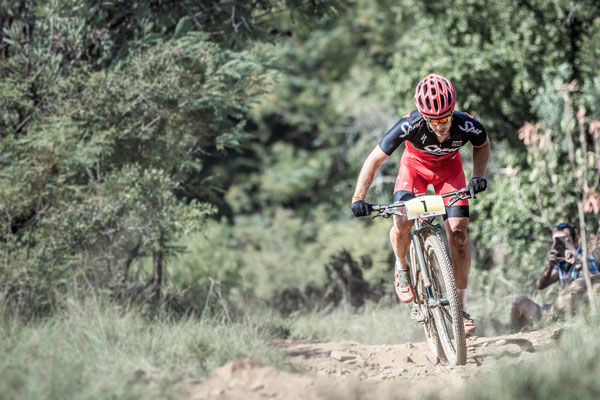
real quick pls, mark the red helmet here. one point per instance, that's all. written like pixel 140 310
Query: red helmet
pixel 435 96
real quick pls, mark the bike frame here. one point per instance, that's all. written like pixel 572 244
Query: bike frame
pixel 430 307
pixel 422 226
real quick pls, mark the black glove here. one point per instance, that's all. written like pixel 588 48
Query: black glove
pixel 361 208
pixel 477 185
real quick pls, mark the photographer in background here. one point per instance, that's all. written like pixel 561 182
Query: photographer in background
pixel 564 265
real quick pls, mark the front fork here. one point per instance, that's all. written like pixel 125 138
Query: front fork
pixel 422 272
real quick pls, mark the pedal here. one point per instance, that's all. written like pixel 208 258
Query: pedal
pixel 417 316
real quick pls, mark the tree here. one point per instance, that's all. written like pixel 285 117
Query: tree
pixel 110 111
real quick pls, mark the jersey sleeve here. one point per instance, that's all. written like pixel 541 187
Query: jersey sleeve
pixel 395 136
pixel 478 134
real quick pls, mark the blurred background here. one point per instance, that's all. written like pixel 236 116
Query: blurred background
pixel 176 179
pixel 200 157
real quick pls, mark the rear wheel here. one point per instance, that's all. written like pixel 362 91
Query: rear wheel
pixel 420 303
pixel 446 310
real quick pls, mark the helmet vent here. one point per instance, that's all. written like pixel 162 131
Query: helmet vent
pixel 435 96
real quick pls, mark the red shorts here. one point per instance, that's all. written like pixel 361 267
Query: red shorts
pixel 416 173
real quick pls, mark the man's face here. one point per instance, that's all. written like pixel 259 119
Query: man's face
pixel 442 131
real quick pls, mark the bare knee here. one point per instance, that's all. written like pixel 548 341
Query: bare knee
pixel 402 226
pixel 458 238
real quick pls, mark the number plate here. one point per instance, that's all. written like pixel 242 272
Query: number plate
pixel 425 206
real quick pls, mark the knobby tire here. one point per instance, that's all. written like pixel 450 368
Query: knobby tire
pixel 448 318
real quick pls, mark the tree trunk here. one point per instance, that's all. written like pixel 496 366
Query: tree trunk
pixel 157 256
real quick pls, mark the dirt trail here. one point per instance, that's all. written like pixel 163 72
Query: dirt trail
pixel 353 370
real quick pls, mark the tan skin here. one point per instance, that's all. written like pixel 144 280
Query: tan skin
pixel 524 309
pixel 550 275
pixel 455 227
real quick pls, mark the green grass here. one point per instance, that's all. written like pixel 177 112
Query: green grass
pixel 94 351
pixel 569 372
pixel 374 324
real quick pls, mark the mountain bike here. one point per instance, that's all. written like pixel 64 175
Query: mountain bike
pixel 436 304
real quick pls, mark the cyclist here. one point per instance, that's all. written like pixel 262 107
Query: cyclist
pixel 564 266
pixel 433 135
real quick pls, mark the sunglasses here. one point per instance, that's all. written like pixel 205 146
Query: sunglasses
pixel 439 121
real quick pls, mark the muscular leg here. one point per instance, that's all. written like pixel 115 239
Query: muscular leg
pixel 400 238
pixel 456 228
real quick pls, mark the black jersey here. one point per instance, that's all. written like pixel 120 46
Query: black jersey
pixel 414 129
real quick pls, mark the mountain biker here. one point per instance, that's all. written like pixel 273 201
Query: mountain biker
pixel 433 135
pixel 564 266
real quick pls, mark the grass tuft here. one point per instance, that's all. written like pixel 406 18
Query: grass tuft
pixel 99 351
pixel 373 324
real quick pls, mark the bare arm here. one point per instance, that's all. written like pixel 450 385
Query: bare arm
pixel 481 155
pixel 549 275
pixel 367 173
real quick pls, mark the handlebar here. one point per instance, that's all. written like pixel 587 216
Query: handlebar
pixel 387 210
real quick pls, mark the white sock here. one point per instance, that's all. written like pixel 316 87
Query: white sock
pixel 462 295
pixel 398 263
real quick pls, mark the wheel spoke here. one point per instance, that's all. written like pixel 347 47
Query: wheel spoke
pixel 449 327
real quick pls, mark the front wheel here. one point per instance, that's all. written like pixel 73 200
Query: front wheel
pixel 445 304
pixel 421 305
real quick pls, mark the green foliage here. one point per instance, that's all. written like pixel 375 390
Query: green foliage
pixel 288 252
pixel 122 122
pixel 99 351
pixel 209 269
pixel 567 373
pixel 529 197
pixel 105 187
pixel 497 54
pixel 290 174
pixel 371 325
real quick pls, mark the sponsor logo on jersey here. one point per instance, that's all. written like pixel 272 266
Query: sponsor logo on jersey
pixel 423 138
pixel 469 128
pixel 456 143
pixel 434 148
pixel 404 184
pixel 404 128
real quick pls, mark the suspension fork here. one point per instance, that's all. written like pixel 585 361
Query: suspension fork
pixel 423 274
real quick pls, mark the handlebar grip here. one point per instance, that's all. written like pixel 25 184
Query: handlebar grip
pixel 375 207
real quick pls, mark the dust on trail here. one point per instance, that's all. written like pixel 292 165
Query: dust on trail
pixel 353 370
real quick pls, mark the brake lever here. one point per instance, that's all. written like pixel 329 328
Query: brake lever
pixel 382 215
pixel 472 193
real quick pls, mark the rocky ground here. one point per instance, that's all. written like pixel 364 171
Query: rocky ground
pixel 346 370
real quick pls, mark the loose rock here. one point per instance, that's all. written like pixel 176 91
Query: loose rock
pixel 342 355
